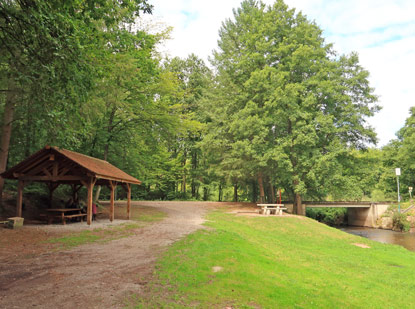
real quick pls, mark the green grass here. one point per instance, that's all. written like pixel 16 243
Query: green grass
pixel 106 234
pixel 75 239
pixel 280 262
pixel 152 217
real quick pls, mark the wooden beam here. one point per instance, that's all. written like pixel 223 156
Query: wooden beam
pixel 47 173
pixel 120 180
pixel 129 201
pixel 113 186
pixel 54 178
pixel 52 187
pixel 55 169
pixel 125 186
pixel 64 171
pixel 75 188
pixel 90 188
pixel 19 201
pixel 37 169
pixel 33 164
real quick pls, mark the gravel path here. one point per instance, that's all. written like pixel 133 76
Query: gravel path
pixel 98 275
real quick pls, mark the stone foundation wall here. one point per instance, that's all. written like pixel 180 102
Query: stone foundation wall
pixel 366 216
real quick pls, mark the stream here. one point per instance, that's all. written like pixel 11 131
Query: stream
pixel 406 240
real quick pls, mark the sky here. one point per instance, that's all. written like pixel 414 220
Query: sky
pixel 382 32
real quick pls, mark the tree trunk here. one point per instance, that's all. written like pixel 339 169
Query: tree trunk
pixel 254 192
pixel 197 195
pixel 235 192
pixel 29 129
pixel 107 146
pixel 194 167
pixel 11 100
pixel 205 193
pixel 271 192
pixel 220 195
pixel 261 188
pixel 184 182
pixel 298 207
pixel 193 188
pixel 184 172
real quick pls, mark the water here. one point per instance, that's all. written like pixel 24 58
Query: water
pixel 406 240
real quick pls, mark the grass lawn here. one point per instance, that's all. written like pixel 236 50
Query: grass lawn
pixel 274 262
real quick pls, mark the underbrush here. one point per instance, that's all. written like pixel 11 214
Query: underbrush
pixel 400 223
pixel 330 216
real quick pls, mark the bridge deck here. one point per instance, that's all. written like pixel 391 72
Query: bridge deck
pixel 338 205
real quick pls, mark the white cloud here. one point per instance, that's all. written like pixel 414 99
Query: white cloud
pixel 381 31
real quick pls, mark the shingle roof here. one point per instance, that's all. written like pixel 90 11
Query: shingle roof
pixel 88 165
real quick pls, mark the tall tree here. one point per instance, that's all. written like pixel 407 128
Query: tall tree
pixel 291 105
pixel 195 80
pixel 46 60
pixel 400 153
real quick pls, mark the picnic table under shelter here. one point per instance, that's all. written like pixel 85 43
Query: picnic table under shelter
pixel 55 166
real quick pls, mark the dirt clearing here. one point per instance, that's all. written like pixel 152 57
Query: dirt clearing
pixel 97 275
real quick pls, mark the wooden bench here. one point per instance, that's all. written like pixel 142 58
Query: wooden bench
pixel 268 209
pixel 81 216
pixel 63 214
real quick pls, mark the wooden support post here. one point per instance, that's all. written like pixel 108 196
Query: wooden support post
pixel 128 201
pixel 52 187
pixel 19 202
pixel 75 189
pixel 113 185
pixel 50 196
pixel 90 187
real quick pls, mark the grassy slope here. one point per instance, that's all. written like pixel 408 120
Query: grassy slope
pixel 274 262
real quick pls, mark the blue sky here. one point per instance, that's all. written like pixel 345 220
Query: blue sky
pixel 382 32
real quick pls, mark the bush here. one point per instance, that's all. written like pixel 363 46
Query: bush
pixel 377 196
pixel 330 216
pixel 400 223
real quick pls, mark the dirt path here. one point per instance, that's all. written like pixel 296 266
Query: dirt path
pixel 98 275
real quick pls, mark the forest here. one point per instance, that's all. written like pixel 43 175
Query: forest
pixel 276 109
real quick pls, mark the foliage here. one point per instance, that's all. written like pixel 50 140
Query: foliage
pixel 331 216
pixel 377 196
pixel 288 106
pixel 194 81
pixel 280 110
pixel 400 223
pixel 398 153
pixel 47 54
pixel 279 263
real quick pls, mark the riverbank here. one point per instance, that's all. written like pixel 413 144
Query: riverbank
pixel 269 262
pixel 386 218
pixel 406 240
pixel 396 220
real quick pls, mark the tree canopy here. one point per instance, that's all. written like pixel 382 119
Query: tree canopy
pixel 277 109
pixel 295 107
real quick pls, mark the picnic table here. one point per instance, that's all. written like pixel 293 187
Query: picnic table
pixel 64 214
pixel 268 209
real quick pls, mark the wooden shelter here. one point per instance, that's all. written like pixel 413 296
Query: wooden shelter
pixel 55 166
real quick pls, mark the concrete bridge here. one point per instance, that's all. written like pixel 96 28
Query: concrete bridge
pixel 358 213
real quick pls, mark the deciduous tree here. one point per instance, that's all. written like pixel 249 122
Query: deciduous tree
pixel 290 106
